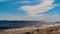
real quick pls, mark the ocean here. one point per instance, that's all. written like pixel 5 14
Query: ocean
pixel 22 24
pixel 16 24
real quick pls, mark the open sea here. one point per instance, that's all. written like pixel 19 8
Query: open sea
pixel 16 24
pixel 22 24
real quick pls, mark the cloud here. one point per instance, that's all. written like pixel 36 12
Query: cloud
pixel 27 2
pixel 43 17
pixel 24 2
pixel 53 18
pixel 33 11
pixel 42 7
pixel 3 0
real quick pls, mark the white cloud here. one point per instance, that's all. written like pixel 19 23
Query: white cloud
pixel 44 6
pixel 53 18
pixel 25 2
pixel 3 0
pixel 42 17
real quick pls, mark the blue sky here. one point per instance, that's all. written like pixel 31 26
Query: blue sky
pixel 46 10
